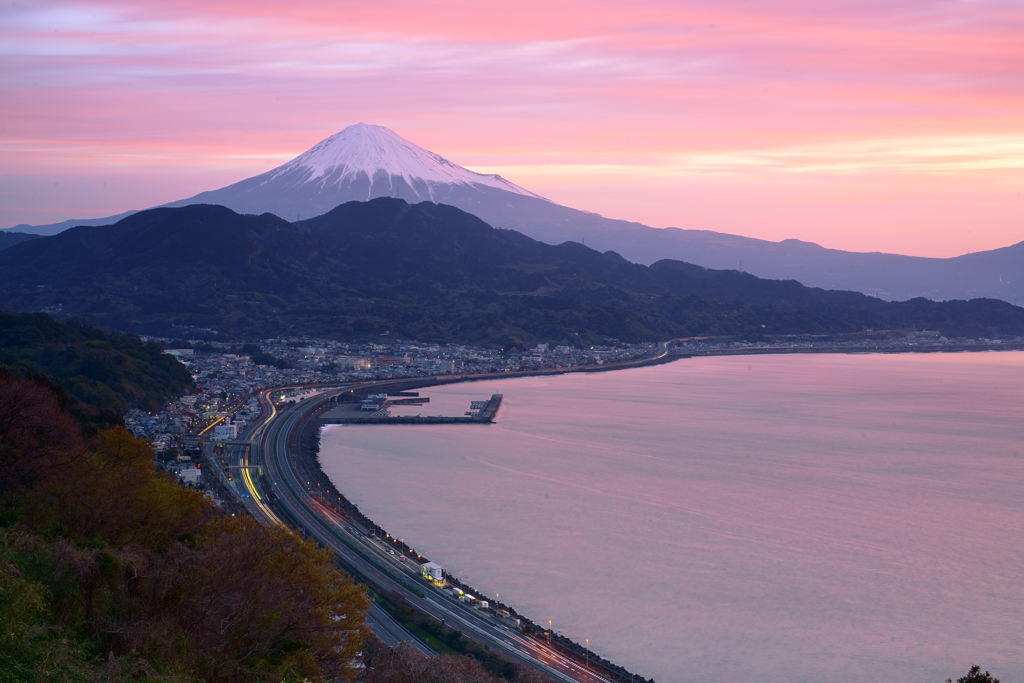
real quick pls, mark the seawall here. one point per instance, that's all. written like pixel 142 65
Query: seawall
pixel 304 454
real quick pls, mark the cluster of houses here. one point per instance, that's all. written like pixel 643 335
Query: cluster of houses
pixel 228 378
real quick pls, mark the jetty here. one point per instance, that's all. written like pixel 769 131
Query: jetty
pixel 480 412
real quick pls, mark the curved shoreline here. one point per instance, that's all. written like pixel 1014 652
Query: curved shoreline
pixel 307 441
pixel 309 433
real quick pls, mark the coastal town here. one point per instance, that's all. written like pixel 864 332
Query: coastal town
pixel 229 376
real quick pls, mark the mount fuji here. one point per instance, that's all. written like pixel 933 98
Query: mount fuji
pixel 365 162
pixel 360 163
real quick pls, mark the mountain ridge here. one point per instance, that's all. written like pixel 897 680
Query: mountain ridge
pixel 8 238
pixel 425 271
pixel 364 161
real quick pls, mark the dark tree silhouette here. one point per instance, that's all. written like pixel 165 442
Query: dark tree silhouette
pixel 975 676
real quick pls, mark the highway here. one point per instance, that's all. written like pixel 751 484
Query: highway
pixel 238 476
pixel 288 499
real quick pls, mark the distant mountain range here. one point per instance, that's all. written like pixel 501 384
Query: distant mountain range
pixel 363 162
pixel 426 271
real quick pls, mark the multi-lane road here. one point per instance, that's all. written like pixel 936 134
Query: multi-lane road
pixel 274 492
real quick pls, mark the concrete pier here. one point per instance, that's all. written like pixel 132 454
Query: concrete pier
pixel 349 414
pixel 488 412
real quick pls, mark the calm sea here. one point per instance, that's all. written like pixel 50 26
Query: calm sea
pixel 772 519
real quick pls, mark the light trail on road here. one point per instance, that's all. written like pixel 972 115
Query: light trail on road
pixel 290 494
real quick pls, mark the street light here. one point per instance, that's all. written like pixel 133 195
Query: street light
pixel 588 652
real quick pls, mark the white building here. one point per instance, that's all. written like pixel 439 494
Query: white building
pixel 353 363
pixel 431 571
pixel 190 475
pixel 226 431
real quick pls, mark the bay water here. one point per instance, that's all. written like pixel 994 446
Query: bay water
pixel 772 518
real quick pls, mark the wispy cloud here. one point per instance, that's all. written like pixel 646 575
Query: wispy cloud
pixel 575 93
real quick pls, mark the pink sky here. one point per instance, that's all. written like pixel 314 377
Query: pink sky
pixel 872 126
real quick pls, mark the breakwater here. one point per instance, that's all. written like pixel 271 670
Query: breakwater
pixel 400 419
pixel 486 414
pixel 304 456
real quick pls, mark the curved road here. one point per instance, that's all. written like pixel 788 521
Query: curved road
pixel 367 558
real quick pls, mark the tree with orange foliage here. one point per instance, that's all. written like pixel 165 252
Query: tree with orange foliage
pixel 149 573
pixel 247 600
pixel 36 435
pixel 113 492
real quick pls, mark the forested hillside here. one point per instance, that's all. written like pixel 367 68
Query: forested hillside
pixel 8 238
pixel 110 571
pixel 424 271
pixel 111 371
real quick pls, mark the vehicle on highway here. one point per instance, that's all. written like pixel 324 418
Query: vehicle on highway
pixel 298 505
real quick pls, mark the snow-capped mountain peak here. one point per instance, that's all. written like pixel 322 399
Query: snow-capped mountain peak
pixel 364 152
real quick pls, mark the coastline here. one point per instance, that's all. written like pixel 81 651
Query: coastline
pixel 307 443
pixel 880 348
pixel 310 445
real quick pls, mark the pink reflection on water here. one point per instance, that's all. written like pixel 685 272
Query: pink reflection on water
pixel 844 518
